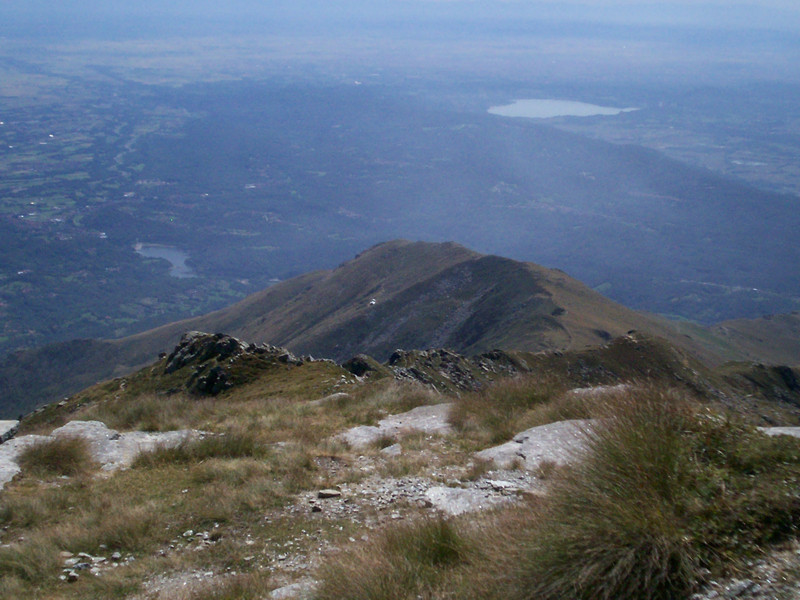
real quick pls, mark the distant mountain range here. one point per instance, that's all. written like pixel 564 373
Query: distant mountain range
pixel 402 294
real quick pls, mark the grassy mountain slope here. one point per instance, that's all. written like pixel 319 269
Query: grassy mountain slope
pixel 396 294
pixel 770 339
pixel 681 473
pixel 426 295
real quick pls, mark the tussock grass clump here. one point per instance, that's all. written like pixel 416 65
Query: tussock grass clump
pixel 403 562
pixel 614 528
pixel 131 528
pixel 33 562
pixel 56 457
pixel 500 411
pixel 237 443
pixel 664 490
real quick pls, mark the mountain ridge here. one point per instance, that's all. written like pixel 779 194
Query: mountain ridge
pixel 398 294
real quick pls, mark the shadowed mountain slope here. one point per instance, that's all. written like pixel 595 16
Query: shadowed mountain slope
pixel 395 295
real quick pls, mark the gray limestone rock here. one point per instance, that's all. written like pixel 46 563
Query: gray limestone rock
pixel 431 419
pixel 456 501
pixel 772 431
pixel 296 591
pixel 557 443
pixel 112 449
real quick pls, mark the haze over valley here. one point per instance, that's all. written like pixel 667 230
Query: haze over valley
pixel 255 144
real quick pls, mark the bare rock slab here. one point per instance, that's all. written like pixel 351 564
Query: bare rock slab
pixel 430 419
pixel 8 456
pixel 559 443
pixel 772 431
pixel 112 449
pixel 457 501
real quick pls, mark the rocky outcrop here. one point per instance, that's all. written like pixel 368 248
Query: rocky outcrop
pixel 362 365
pixel 446 370
pixel 198 347
pixel 456 500
pixel 214 361
pixel 8 429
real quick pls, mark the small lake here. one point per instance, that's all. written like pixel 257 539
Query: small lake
pixel 544 108
pixel 176 258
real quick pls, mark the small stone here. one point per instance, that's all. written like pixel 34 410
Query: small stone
pixel 739 587
pixel 393 450
pixel 71 562
pixel 325 494
pixel 116 556
pixel 316 509
pixel 72 577
pixel 66 554
pixel 188 533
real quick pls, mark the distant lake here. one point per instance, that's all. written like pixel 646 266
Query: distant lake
pixel 547 108
pixel 176 258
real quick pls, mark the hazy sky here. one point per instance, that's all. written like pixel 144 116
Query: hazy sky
pixel 783 15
